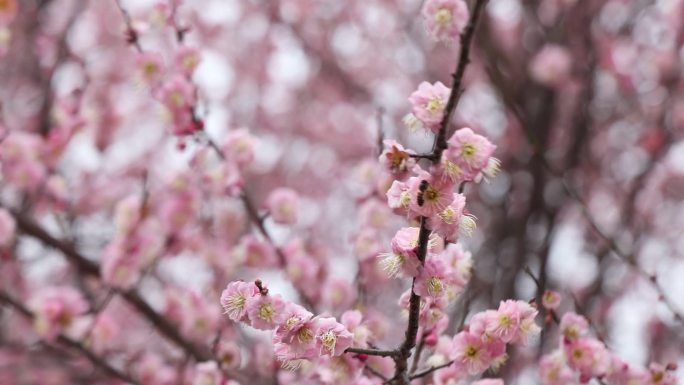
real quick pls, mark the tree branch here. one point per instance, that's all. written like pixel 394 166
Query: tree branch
pixel 372 352
pixel 430 370
pixel 439 145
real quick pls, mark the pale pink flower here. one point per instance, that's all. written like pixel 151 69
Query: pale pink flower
pixel 505 322
pixel 353 321
pixel 489 381
pixel 127 214
pixel 661 375
pixel 428 103
pixel 302 268
pixel 432 317
pixel 239 147
pixel 21 160
pixel 587 355
pixel 294 338
pixel 460 260
pixel 479 322
pixel 367 244
pixel 120 268
pixel 178 94
pixel 228 353
pixel 338 294
pixel 448 222
pixel 624 373
pixel 403 258
pixel 470 353
pixel 207 373
pixel 255 252
pixel 338 370
pixel 332 338
pixel 434 279
pixel 283 205
pixel 396 159
pixel 528 327
pixel 551 300
pixel 7 227
pixel 429 195
pixel 399 197
pixel 234 299
pixel 554 371
pixel 265 312
pixel 467 155
pixel 374 213
pixel 55 309
pixel 551 66
pixel 573 325
pixel 187 59
pixel 105 332
pixel 150 67
pixel 150 369
pixel 445 19
pixel 200 319
pixel 294 316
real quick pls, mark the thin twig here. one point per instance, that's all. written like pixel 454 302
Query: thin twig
pixel 430 370
pixel 376 373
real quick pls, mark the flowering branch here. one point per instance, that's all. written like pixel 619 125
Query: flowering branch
pixel 92 357
pixel 440 144
pixel 88 267
pixel 466 38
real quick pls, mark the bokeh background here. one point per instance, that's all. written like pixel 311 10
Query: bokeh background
pixel 584 99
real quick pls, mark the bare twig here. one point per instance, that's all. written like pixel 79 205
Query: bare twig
pixel 431 370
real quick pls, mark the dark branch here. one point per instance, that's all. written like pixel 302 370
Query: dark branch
pixel 372 352
pixel 430 370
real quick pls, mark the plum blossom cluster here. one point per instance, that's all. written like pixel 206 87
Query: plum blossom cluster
pixel 299 337
pixel 171 85
pixel 430 194
pixel 482 343
pixel 582 357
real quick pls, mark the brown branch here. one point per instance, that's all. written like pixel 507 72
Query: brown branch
pixel 430 370
pixel 372 352
pixel 457 84
pixel 416 357
pixel 376 373
pixel 132 36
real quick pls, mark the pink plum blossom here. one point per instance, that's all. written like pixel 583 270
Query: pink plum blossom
pixel 445 19
pixel 332 338
pixel 234 299
pixel 428 102
pixel 283 205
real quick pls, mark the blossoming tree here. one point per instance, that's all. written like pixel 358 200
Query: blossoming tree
pixel 370 192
